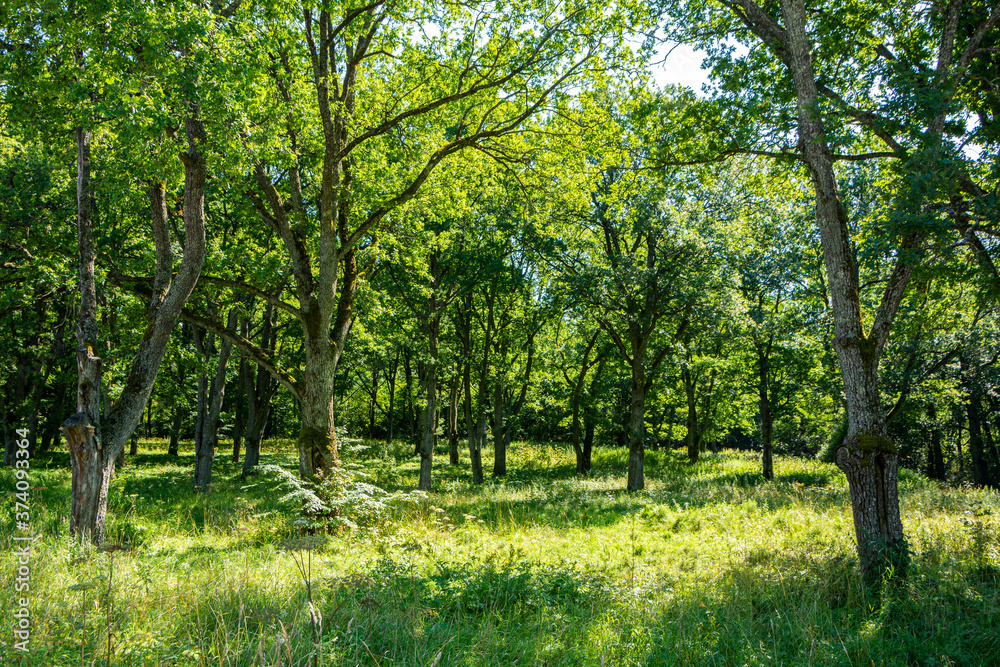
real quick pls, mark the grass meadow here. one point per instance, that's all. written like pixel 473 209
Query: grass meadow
pixel 710 565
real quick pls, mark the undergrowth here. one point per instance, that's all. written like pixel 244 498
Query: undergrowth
pixel 710 565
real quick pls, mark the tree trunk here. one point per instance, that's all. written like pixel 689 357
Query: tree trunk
pixel 176 396
pixel 51 426
pixel 9 447
pixel 766 420
pixel 392 391
pixel 636 452
pixel 205 450
pixel 484 379
pixel 258 404
pixel 581 467
pixel 472 440
pixel 463 325
pixel 935 455
pixel 258 388
pixel 317 441
pixel 428 421
pixel 692 415
pixel 871 464
pixel 175 430
pixel 588 443
pixel 373 403
pixel 238 418
pixel 408 375
pixel 418 425
pixel 200 411
pixel 94 443
pixel 453 421
pixel 203 346
pixel 499 441
pixel 707 415
pixel 992 455
pixel 90 472
pixel 637 420
pixel 868 458
pixel 582 452
pixel 254 420
pixel 428 425
pixel 973 411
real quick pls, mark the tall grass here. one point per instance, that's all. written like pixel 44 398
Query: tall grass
pixel 710 565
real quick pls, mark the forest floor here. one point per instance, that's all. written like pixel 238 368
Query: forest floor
pixel 710 565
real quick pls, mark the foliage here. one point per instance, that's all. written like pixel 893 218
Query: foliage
pixel 339 499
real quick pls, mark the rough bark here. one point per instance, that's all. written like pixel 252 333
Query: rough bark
pixel 636 449
pixel 83 435
pixel 317 439
pixel 93 452
pixel 868 458
pixel 637 404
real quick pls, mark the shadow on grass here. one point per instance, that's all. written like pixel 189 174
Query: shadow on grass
pixel 770 608
pixel 776 608
pixel 543 488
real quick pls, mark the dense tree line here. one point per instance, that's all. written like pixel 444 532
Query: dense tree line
pixel 480 223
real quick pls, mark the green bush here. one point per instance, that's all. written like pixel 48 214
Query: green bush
pixel 339 499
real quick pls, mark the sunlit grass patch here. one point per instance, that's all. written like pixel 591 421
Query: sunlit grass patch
pixel 710 565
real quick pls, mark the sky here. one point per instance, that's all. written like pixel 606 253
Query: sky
pixel 682 65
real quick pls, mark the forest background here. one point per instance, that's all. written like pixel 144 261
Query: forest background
pixel 463 225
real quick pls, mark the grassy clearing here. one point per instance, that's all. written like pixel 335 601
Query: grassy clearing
pixel 711 565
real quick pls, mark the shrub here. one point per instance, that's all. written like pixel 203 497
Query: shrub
pixel 337 500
